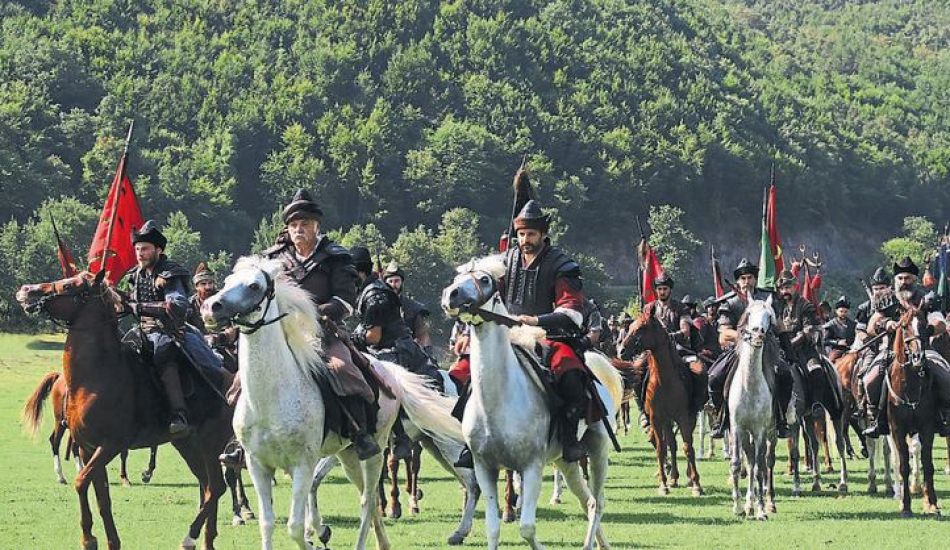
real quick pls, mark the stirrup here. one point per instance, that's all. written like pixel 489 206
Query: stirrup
pixel 178 424
pixel 465 460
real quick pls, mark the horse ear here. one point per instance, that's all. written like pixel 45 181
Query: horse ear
pixel 99 277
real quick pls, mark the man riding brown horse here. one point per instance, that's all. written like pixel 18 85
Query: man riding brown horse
pixel 414 313
pixel 325 270
pixel 159 299
pixel 885 318
pixel 839 333
pixel 676 320
pixel 730 314
pixel 543 287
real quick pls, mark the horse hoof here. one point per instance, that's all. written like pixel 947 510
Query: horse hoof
pixel 395 512
pixel 828 470
pixel 843 489
pixel 761 516
pixel 325 535
pixel 247 514
pixel 697 491
pixel 126 482
pixel 864 453
pixel 872 489
pixel 907 514
pixel 815 487
pixel 90 544
pixel 188 543
pixel 663 490
pixel 146 477
pixel 508 517
pixel 770 507
pixel 62 481
pixel 414 510
pixel 456 539
pixel 419 494
pixel 737 511
pixel 554 501
pixel 236 520
pixel 796 492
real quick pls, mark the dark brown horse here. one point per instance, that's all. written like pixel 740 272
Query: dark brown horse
pixel 53 385
pixel 910 405
pixel 115 404
pixel 669 397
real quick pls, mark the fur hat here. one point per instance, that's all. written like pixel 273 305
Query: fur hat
pixel 302 206
pixel 149 233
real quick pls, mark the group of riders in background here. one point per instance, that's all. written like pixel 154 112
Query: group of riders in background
pixel 370 312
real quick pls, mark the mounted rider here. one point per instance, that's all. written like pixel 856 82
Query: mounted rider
pixel 730 313
pixel 205 287
pixel 543 287
pixel 708 326
pixel 414 313
pixel 675 318
pixel 887 311
pixel 839 333
pixel 797 327
pixel 159 299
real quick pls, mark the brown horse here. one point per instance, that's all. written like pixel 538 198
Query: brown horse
pixel 941 344
pixel 53 385
pixel 115 404
pixel 669 397
pixel 910 404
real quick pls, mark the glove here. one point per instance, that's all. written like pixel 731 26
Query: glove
pixel 359 337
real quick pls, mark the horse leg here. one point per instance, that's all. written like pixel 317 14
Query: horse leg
pixel 793 459
pixel 825 446
pixel 691 470
pixel 205 467
pixel 914 447
pixel 363 475
pixel 841 438
pixel 315 525
pixel 147 473
pixel 749 450
pixel 123 468
pixel 413 465
pixel 230 478
pixel 927 463
pixel 903 453
pixel 812 450
pixel 872 445
pixel 395 507
pixel 889 451
pixel 770 465
pixel 93 463
pixel 558 487
pixel 946 469
pixel 488 482
pixel 660 446
pixel 530 492
pixel 100 483
pixel 214 488
pixel 246 512
pixel 55 439
pixel 674 466
pixel 511 498
pixel 735 462
pixel 261 476
pixel 301 483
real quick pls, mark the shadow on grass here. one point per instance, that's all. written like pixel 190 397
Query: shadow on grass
pixel 44 345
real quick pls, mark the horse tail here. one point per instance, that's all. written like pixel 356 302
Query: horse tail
pixel 608 375
pixel 33 409
pixel 426 407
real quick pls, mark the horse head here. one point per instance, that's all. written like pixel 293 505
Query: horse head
pixel 646 333
pixel 475 285
pixel 247 296
pixel 66 300
pixel 909 345
pixel 759 319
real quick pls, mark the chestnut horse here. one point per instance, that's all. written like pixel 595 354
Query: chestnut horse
pixel 115 404
pixel 669 397
pixel 910 404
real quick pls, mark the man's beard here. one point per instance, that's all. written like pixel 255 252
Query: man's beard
pixel 529 248
pixel 904 294
pixel 788 297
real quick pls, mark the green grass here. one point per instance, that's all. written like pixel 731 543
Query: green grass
pixel 37 513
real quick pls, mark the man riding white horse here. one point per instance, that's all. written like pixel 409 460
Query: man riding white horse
pixel 542 287
pixel 885 318
pixel 159 298
pixel 325 270
pixel 730 313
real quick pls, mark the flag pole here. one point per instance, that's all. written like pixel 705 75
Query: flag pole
pixel 115 199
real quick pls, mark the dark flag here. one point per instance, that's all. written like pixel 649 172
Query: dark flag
pixel 717 274
pixel 66 262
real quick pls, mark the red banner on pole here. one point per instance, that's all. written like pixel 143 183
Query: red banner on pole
pixel 112 246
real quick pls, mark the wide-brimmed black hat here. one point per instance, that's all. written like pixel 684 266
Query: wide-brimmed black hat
pixel 531 217
pixel 906 265
pixel 361 258
pixel 302 206
pixel 149 233
pixel 745 267
pixel 842 302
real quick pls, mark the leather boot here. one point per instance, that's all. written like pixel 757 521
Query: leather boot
pixel 720 426
pixel 572 450
pixel 781 425
pixel 176 399
pixel 644 419
pixel 877 417
pixel 465 459
pixel 365 446
pixel 233 455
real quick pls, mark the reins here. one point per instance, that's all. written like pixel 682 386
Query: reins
pixel 251 328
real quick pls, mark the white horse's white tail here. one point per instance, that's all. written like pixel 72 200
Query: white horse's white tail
pixel 427 408
pixel 610 377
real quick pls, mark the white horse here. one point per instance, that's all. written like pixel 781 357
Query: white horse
pixel 445 450
pixel 507 421
pixel 279 417
pixel 752 421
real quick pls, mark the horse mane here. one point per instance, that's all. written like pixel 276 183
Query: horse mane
pixel 301 329
pixel 493 264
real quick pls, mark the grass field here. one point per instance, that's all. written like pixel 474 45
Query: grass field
pixel 37 513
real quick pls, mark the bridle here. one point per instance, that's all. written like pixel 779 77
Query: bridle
pixel 913 359
pixel 76 293
pixel 268 296
pixel 478 314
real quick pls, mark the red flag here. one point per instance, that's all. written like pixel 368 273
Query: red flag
pixel 771 223
pixel 815 288
pixel 650 269
pixel 66 262
pixel 120 216
pixel 717 275
pixel 806 286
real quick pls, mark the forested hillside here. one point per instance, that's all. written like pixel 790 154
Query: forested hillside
pixel 394 113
